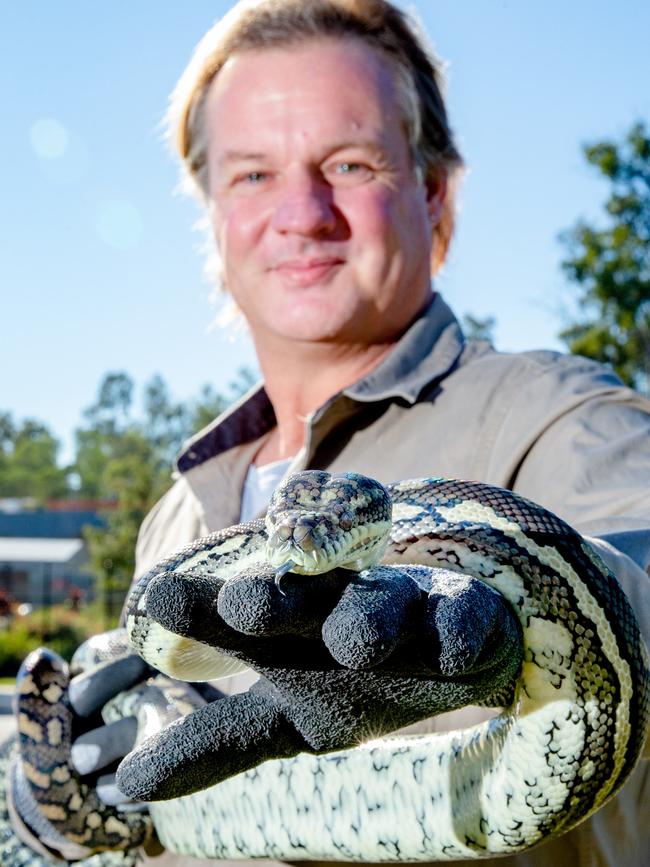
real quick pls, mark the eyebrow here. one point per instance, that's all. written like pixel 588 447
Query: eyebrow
pixel 236 156
pixel 241 156
pixel 366 143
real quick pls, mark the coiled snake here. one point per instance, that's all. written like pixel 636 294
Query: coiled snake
pixel 565 744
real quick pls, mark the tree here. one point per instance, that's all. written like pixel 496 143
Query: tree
pixel 611 263
pixel 127 458
pixel 7 432
pixel 28 461
pixel 166 423
pixel 124 461
pixel 212 403
pixel 111 410
pixel 106 421
pixel 133 479
pixel 7 436
pixel 124 457
pixel 112 428
pixel 479 328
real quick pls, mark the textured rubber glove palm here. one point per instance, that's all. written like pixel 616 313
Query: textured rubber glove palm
pixel 343 657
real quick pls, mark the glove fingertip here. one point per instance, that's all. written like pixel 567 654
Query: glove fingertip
pixel 109 793
pixel 249 604
pixel 182 603
pixel 90 691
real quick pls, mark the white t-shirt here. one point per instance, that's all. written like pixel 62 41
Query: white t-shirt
pixel 259 484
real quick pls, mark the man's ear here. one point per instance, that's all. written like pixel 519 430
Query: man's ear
pixel 436 194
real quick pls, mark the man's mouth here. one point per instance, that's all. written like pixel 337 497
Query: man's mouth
pixel 305 272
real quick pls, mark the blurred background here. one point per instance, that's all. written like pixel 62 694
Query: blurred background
pixel 109 353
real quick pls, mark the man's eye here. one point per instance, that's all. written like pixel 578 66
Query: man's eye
pixel 252 178
pixel 350 168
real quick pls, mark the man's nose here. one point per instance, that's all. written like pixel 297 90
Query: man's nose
pixel 305 207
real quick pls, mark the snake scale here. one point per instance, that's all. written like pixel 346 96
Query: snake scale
pixel 15 853
pixel 563 747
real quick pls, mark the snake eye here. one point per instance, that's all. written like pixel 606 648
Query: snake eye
pixel 345 521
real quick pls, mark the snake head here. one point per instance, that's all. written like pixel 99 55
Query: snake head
pixel 320 521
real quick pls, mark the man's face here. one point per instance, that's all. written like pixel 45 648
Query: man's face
pixel 322 226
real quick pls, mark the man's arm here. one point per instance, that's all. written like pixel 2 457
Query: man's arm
pixel 583 446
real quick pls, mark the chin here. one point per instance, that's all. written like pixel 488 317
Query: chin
pixel 310 334
pixel 315 322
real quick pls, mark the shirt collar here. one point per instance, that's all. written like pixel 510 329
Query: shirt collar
pixel 427 351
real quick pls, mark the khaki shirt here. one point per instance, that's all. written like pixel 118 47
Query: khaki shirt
pixel 560 430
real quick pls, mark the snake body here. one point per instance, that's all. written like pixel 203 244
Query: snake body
pixel 566 743
pixel 57 806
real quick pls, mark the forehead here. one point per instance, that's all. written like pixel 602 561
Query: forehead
pixel 313 88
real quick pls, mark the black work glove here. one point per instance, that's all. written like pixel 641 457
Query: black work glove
pixel 61 782
pixel 343 657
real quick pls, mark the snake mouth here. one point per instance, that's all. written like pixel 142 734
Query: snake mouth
pixel 304 561
pixel 312 553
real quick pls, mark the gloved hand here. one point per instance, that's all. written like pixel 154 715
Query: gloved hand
pixel 343 657
pixel 56 783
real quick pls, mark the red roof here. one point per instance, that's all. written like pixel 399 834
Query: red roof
pixel 82 504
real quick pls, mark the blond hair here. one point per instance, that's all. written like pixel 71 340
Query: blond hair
pixel 260 24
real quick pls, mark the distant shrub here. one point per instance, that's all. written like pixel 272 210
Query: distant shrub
pixel 60 629
pixel 15 643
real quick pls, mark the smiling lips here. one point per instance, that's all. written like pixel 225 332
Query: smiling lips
pixel 305 272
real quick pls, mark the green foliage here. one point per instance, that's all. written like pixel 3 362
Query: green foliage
pixel 58 628
pixel 15 644
pixel 167 423
pixel 123 457
pixel 129 462
pixel 611 263
pixel 479 328
pixel 134 478
pixel 28 461
pixel 210 405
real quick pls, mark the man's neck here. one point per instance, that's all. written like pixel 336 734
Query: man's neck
pixel 299 382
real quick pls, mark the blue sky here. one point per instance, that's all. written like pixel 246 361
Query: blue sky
pixel 99 263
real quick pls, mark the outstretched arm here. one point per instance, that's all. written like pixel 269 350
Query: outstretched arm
pixel 384 652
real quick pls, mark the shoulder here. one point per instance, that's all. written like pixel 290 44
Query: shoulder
pixel 540 418
pixel 535 362
pixel 545 380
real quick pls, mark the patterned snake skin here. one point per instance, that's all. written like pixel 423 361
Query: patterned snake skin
pixel 15 853
pixel 562 748
pixel 68 810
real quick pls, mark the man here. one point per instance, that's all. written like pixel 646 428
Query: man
pixel 316 134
